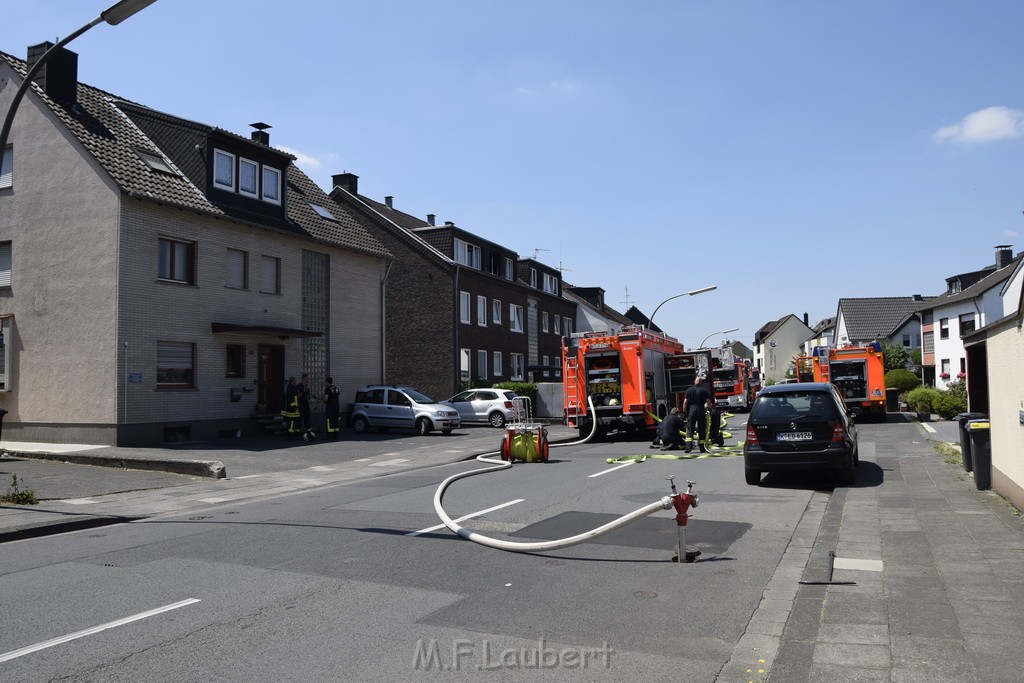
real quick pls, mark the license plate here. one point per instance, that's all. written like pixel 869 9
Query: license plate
pixel 793 436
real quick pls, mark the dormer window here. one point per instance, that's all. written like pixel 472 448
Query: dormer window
pixel 246 177
pixel 550 284
pixel 467 254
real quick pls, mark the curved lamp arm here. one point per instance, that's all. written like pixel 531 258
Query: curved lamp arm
pixel 650 320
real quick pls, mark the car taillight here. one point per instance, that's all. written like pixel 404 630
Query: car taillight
pixel 751 436
pixel 838 433
pixel 508 404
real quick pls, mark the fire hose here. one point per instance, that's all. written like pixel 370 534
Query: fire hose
pixel 679 501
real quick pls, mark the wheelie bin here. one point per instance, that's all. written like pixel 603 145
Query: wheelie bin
pixel 965 437
pixel 981 453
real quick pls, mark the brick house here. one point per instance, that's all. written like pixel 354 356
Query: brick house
pixel 461 308
pixel 162 277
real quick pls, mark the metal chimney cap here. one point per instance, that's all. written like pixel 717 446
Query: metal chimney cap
pixel 259 125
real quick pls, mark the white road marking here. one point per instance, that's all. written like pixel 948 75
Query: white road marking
pixel 79 501
pixel 469 516
pixel 247 476
pixel 323 468
pixel 362 459
pixel 863 565
pixel 390 463
pixel 928 427
pixel 612 469
pixel 13 654
pixel 214 500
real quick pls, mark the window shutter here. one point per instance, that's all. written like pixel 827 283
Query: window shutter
pixel 234 269
pixel 177 355
pixel 5 264
pixel 268 275
pixel 7 168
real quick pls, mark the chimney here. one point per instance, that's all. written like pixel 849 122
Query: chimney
pixel 389 201
pixel 430 218
pixel 806 319
pixel 918 297
pixel 59 76
pixel 261 135
pixel 346 181
pixel 1004 254
pixel 450 224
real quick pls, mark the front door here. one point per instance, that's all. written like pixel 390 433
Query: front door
pixel 271 378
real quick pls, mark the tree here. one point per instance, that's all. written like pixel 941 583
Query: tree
pixel 895 356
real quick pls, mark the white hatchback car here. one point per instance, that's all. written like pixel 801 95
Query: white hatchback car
pixel 493 406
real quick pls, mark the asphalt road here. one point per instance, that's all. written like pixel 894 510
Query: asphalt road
pixel 356 582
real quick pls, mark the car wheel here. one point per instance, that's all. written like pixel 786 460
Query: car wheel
pixel 753 477
pixel 360 425
pixel 497 419
pixel 423 426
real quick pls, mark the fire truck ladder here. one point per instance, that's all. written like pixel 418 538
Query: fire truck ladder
pixel 572 390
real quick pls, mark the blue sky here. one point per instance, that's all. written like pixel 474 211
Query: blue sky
pixel 789 152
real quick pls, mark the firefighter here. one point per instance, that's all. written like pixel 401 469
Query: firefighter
pixel 332 408
pixel 302 399
pixel 291 408
pixel 671 431
pixel 696 404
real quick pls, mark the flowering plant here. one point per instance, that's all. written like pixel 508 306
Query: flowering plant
pixel 944 375
pixel 961 375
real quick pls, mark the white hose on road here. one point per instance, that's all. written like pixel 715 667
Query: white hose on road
pixel 522 547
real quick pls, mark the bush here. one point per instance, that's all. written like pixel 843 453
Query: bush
pixel 901 379
pixel 948 405
pixel 957 388
pixel 895 356
pixel 521 388
pixel 922 399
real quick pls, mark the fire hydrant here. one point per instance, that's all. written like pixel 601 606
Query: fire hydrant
pixel 682 502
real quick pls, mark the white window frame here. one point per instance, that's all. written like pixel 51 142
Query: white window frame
pixel 558 324
pixel 481 364
pixel 467 254
pixel 515 318
pixel 481 310
pixel 464 359
pixel 545 361
pixel 510 270
pixel 7 167
pixel 533 278
pixel 6 335
pixel 496 364
pixel 273 263
pixel 567 325
pixel 545 325
pixel 178 351
pixel 550 284
pixel 517 367
pixel 465 306
pixel 231 268
pixel 943 328
pixel 274 185
pixel 249 163
pixel 496 311
pixel 218 157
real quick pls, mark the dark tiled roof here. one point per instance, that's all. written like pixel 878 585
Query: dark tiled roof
pixel 992 278
pixel 877 318
pixel 636 317
pixel 111 129
pixel 573 294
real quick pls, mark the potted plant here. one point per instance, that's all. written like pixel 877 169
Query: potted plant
pixel 943 375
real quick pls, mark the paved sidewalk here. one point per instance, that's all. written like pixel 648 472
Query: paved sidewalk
pixel 937 571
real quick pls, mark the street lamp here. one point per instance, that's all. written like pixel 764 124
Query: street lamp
pixel 650 321
pixel 113 15
pixel 714 333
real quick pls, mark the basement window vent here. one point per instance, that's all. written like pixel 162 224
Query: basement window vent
pixel 156 162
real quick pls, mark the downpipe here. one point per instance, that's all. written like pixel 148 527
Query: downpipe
pixel 680 501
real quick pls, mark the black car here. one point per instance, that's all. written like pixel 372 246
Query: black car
pixel 800 427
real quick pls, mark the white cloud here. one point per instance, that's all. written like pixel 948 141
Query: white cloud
pixel 1010 233
pixel 562 86
pixel 301 159
pixel 985 125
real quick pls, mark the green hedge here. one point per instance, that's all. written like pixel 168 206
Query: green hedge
pixel 949 405
pixel 901 379
pixel 521 388
pixel 922 399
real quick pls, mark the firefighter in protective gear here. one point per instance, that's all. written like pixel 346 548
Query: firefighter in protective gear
pixel 290 412
pixel 302 396
pixel 332 408
pixel 696 404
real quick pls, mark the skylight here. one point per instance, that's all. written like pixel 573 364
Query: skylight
pixel 324 213
pixel 156 162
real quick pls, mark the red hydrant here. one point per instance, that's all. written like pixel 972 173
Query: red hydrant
pixel 683 502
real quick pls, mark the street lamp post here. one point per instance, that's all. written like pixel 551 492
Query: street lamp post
pixel 113 15
pixel 650 321
pixel 714 333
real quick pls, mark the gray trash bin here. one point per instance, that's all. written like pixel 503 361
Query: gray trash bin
pixel 981 453
pixel 892 400
pixel 965 437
